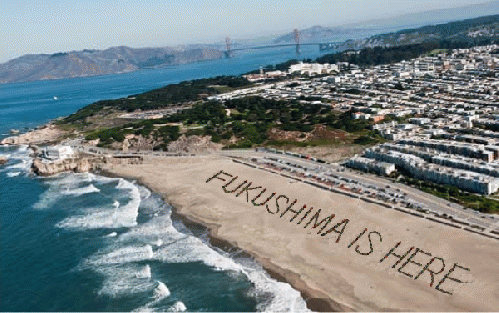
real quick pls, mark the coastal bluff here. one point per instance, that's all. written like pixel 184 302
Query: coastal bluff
pixel 79 164
pixel 44 135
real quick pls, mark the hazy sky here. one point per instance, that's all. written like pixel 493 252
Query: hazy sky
pixel 48 26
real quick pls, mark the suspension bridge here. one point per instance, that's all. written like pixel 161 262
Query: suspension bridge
pixel 229 52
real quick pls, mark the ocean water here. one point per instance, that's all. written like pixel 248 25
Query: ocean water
pixel 27 105
pixel 83 242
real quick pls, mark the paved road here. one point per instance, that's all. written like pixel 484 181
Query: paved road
pixel 433 203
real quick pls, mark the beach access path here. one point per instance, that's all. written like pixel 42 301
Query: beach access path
pixel 350 255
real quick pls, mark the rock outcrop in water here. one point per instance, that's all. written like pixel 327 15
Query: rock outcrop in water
pixel 3 160
pixel 46 134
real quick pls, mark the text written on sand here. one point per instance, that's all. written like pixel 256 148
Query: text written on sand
pixel 439 274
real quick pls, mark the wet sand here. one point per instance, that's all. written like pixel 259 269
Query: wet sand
pixel 350 267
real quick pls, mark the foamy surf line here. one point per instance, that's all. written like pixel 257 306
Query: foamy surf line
pixel 125 260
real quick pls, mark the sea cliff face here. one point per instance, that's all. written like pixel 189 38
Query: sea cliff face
pixel 79 165
pixel 99 62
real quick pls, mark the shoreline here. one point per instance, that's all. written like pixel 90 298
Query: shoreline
pixel 314 299
pixel 329 275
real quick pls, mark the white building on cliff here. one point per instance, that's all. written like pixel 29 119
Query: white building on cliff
pixel 57 152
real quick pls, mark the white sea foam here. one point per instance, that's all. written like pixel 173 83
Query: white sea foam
pixel 158 240
pixel 122 275
pixel 161 291
pixel 181 248
pixel 144 193
pixel 24 165
pixel 159 228
pixel 69 180
pixel 13 174
pixel 284 298
pixel 125 184
pixel 145 272
pixel 124 280
pixel 102 179
pixel 81 191
pixel 186 248
pixel 123 255
pixel 116 217
pixel 64 184
pixel 47 199
pixel 179 306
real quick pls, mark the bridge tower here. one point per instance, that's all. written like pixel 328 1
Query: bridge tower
pixel 228 53
pixel 297 40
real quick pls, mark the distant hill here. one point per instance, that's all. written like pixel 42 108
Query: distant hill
pixel 326 34
pixel 411 43
pixel 99 62
pixel 471 31
pixel 414 20
pixel 369 28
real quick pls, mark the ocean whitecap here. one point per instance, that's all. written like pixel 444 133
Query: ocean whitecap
pixel 161 291
pixel 179 306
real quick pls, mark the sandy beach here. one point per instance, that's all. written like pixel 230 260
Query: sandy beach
pixel 349 256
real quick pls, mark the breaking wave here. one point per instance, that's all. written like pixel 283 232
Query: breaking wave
pixel 81 191
pixel 161 291
pixel 124 280
pixel 132 246
pixel 21 159
pixel 179 306
pixel 117 216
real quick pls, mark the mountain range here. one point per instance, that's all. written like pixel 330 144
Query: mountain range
pixel 114 60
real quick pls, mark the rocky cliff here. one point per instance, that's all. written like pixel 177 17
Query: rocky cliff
pixel 80 164
pixel 193 144
pixel 77 165
pixel 46 134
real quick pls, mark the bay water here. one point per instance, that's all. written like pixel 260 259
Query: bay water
pixel 83 242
